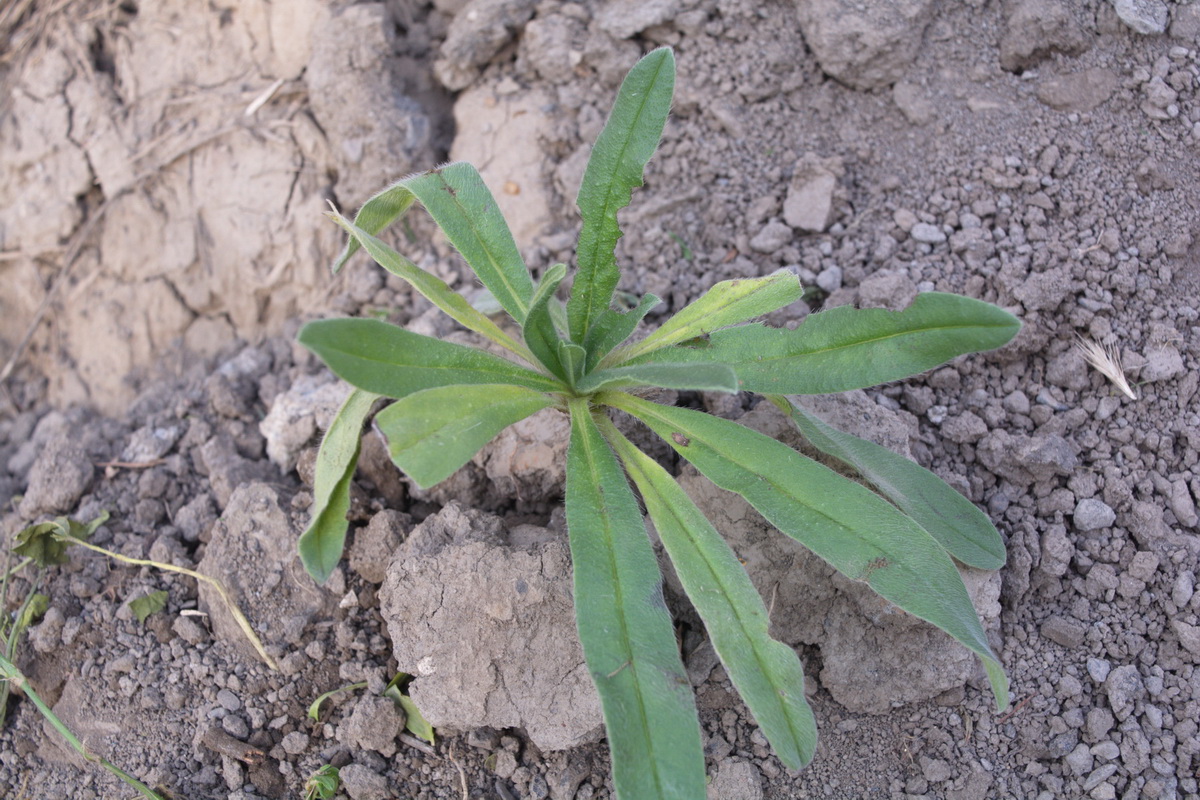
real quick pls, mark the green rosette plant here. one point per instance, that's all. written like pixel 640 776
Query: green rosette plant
pixel 449 400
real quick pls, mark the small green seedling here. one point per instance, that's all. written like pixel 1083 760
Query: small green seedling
pixel 322 784
pixel 450 400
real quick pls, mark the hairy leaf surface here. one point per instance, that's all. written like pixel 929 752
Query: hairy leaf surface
pixel 384 208
pixel 848 348
pixel 627 636
pixel 618 158
pixel 697 377
pixel 541 336
pixel 388 360
pixel 767 674
pixel 724 304
pixel 432 433
pixel 960 527
pixel 861 535
pixel 321 543
pixel 614 327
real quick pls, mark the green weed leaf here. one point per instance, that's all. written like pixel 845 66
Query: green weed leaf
pixel 767 674
pixel 321 543
pixel 384 208
pixel 541 335
pixel 432 433
pixel 960 527
pixel 390 361
pixel 463 207
pixel 726 303
pixel 47 542
pixel 323 784
pixel 618 159
pixel 414 721
pixel 32 611
pixel 627 637
pixel 433 288
pixel 848 348
pixel 614 327
pixel 142 607
pixel 861 535
pixel 697 377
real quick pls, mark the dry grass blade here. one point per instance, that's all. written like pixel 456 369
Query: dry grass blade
pixel 1106 360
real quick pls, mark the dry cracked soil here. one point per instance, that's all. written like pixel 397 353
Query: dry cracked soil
pixel 164 168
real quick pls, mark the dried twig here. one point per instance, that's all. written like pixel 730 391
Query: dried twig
pixel 1106 360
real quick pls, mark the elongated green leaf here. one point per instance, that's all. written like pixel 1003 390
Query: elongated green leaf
pixel 433 288
pixel 960 527
pixel 613 327
pixel 697 377
pixel 862 535
pixel 622 150
pixel 726 303
pixel 463 207
pixel 376 214
pixel 321 543
pixel 388 360
pixel 572 357
pixel 768 674
pixel 432 433
pixel 848 348
pixel 627 637
pixel 541 336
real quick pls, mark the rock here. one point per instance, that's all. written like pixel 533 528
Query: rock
pixel 477 33
pixel 1159 102
pixel 383 134
pixel 1185 22
pixel 864 45
pixel 362 783
pixel 374 545
pixel 964 428
pixel 1163 362
pixel 830 279
pixel 1067 632
pixel 736 779
pixel 1182 505
pixel 1189 636
pixel 1044 291
pixel 253 553
pixel 227 470
pixel 295 743
pixel 150 443
pixel 1025 460
pixel 1034 30
pixel 553 45
pixel 913 103
pixel 1092 514
pixel 1069 370
pixel 59 477
pixel 373 725
pixel 1124 687
pixel 488 631
pixel 809 203
pixel 891 290
pixel 1147 17
pixel 1078 91
pixel 298 414
pixel 929 234
pixel 623 19
pixel 773 236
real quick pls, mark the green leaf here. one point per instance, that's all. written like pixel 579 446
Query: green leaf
pixel 375 215
pixel 768 674
pixel 459 201
pixel 314 709
pixel 148 604
pixel 47 542
pixel 848 348
pixel 614 327
pixel 541 336
pixel 31 611
pixel 322 784
pixel 390 361
pixel 859 533
pixel 321 543
pixel 414 721
pixel 432 433
pixel 627 637
pixel 726 303
pixel 433 288
pixel 697 377
pixel 618 159
pixel 573 357
pixel 960 527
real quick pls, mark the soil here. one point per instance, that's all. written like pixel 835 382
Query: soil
pixel 166 166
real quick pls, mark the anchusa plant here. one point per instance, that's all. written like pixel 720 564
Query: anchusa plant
pixel 449 400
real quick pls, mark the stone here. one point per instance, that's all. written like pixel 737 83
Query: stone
pixel 1092 514
pixel 864 45
pixel 150 443
pixel 623 19
pixel 1147 17
pixel 736 778
pixel 299 414
pixel 1034 30
pixel 1067 632
pixel 809 203
pixel 964 428
pixel 929 234
pixel 771 237
pixel 1079 92
pixel 374 545
pixel 295 743
pixel 228 470
pixel 363 783
pixel 60 475
pixel 373 725
pixel 1163 362
pixel 1124 687
pixel 1189 636
pixel 477 33
pixel 488 630
pixel 1069 370
pixel 891 290
pixel 1182 505
pixel 1044 291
